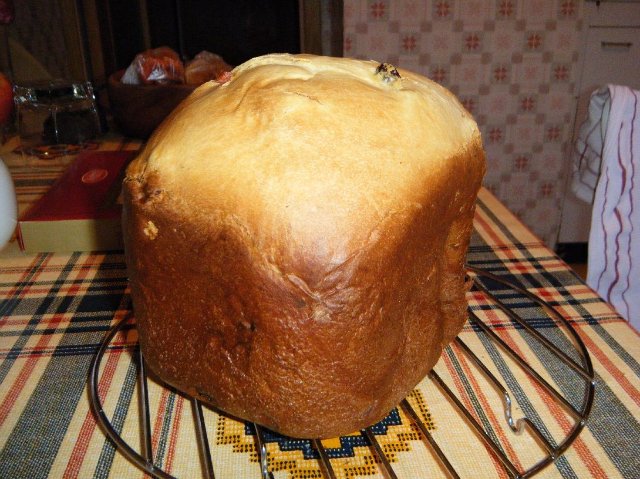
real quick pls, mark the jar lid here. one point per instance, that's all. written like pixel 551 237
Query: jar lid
pixel 52 91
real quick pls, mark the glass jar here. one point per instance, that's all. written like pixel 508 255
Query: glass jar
pixel 54 117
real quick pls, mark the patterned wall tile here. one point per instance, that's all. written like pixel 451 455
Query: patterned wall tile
pixel 442 42
pixel 505 9
pixel 512 63
pixel 568 9
pixel 505 39
pixel 442 10
pixel 469 75
pixel 473 13
pixel 410 13
pixel 378 11
pixel 531 72
pixel 497 104
pixel 536 12
pixel 501 73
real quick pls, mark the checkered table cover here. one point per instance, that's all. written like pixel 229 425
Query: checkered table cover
pixel 55 310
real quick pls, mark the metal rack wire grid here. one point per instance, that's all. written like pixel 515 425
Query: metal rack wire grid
pixel 577 405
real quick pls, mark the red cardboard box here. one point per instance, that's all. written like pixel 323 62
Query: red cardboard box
pixel 82 209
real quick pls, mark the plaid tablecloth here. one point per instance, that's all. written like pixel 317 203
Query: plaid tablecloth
pixel 55 310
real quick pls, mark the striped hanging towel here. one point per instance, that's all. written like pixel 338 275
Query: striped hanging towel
pixel 614 240
pixel 587 149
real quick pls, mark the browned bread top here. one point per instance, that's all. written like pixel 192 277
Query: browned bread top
pixel 304 149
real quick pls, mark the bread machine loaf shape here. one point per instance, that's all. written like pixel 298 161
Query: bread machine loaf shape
pixel 296 236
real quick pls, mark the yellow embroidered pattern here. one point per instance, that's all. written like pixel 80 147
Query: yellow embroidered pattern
pixel 350 455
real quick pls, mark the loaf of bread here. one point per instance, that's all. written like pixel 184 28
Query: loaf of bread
pixel 204 67
pixel 296 236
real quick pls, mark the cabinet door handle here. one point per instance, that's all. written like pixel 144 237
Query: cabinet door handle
pixel 625 45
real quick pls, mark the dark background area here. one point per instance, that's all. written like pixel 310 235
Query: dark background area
pixel 236 30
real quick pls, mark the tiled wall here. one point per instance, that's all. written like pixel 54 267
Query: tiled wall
pixel 512 63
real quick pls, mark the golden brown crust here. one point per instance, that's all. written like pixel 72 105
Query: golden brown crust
pixel 304 280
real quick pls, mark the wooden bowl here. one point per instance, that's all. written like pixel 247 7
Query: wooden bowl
pixel 139 109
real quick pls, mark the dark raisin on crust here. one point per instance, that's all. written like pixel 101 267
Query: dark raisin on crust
pixel 387 72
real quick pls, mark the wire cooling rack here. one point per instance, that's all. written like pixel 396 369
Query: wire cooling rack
pixel 577 361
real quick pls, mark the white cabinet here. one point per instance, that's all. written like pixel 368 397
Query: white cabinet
pixel 610 54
